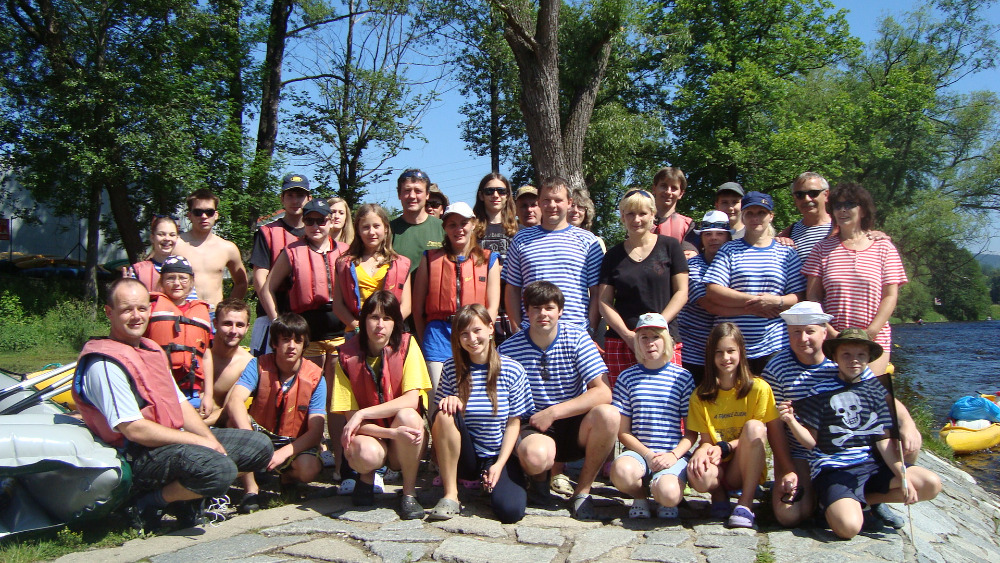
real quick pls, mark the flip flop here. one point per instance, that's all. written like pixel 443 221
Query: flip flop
pixel 445 509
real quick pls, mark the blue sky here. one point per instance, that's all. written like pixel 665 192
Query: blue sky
pixel 458 171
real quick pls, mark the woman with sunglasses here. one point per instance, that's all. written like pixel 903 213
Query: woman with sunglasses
pixel 646 272
pixel 460 273
pixel 856 278
pixel 496 219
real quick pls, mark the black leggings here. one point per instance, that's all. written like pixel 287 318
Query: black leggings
pixel 509 497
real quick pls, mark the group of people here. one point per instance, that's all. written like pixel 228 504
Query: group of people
pixel 508 331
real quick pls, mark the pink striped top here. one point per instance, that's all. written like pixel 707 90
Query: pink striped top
pixel 853 281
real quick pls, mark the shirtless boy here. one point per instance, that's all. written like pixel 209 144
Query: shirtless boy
pixel 232 318
pixel 209 253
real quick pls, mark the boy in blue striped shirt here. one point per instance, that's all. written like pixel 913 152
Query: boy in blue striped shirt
pixel 843 426
pixel 573 415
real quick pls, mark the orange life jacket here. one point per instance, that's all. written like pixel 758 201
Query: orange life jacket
pixel 367 391
pixel 185 334
pixel 151 380
pixel 676 225
pixel 447 290
pixel 313 276
pixel 146 273
pixel 277 237
pixel 347 280
pixel 285 413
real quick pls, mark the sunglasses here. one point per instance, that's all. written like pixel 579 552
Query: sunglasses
pixel 643 193
pixel 198 212
pixel 793 497
pixel 434 204
pixel 312 221
pixel 844 205
pixel 706 225
pixel 492 191
pixel 416 174
pixel 543 363
pixel 811 193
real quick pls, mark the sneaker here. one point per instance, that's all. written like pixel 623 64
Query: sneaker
pixel 409 508
pixel 144 521
pixel 217 510
pixel 888 516
pixel 250 503
pixel 189 513
pixel 379 484
pixel 347 486
pixel 871 522
pixel 363 494
pixel 742 517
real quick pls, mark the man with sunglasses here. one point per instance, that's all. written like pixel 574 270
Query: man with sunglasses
pixel 415 230
pixel 208 253
pixel 268 242
pixel 811 192
pixel 573 418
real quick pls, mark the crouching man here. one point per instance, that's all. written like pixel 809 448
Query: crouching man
pixel 289 407
pixel 128 398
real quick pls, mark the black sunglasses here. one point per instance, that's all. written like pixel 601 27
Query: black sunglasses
pixel 417 174
pixel 491 191
pixel 811 193
pixel 844 205
pixel 198 212
pixel 434 204
pixel 312 221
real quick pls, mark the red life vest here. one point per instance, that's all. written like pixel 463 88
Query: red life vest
pixel 366 390
pixel 293 404
pixel 675 225
pixel 185 334
pixel 145 272
pixel 152 382
pixel 313 276
pixel 347 279
pixel 448 291
pixel 277 237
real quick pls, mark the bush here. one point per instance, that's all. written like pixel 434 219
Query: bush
pixel 73 323
pixel 18 335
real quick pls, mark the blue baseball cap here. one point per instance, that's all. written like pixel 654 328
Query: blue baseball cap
pixel 757 198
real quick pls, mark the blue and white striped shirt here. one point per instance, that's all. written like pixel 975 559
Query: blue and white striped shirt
pixel 513 400
pixel 570 258
pixel 563 370
pixel 656 401
pixel 775 270
pixel 806 237
pixel 693 322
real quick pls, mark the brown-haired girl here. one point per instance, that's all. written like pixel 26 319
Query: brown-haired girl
pixel 481 399
pixel 730 409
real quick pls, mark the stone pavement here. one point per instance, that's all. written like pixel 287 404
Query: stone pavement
pixel 960 525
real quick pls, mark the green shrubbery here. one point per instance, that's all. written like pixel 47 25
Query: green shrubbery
pixel 36 313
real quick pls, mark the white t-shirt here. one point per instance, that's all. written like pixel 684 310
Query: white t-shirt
pixel 107 387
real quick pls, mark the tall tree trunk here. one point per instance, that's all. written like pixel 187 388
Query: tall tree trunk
pixel 229 15
pixel 125 219
pixel 93 239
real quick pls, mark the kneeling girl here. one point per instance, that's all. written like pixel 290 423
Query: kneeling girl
pixel 652 397
pixel 481 398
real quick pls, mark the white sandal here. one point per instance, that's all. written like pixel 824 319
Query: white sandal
pixel 639 509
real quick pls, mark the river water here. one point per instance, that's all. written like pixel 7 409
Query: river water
pixel 942 362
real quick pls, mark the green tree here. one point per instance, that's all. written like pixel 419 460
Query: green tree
pixel 126 99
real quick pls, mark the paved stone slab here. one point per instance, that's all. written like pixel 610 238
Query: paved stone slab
pixel 330 549
pixel 557 522
pixel 720 530
pixel 540 536
pixel 534 511
pixel 474 525
pixel 318 525
pixel 395 552
pixel 404 525
pixel 469 550
pixel 669 538
pixel 592 544
pixel 742 542
pixel 231 548
pixel 373 516
pixel 659 553
pixel 730 555
pixel 402 536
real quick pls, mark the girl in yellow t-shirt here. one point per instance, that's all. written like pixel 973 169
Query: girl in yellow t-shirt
pixel 730 409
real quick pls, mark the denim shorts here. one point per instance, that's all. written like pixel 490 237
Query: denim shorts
pixel 678 469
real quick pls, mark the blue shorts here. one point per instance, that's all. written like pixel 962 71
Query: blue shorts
pixel 853 482
pixel 678 469
pixel 437 342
